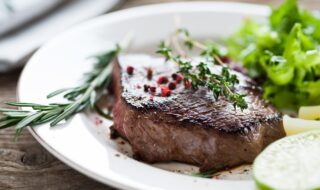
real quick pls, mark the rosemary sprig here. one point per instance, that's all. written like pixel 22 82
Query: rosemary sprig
pixel 79 97
pixel 201 75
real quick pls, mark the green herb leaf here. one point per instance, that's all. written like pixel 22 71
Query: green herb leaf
pixel 8 122
pixel 284 18
pixel 57 92
pixel 80 98
pixel 201 74
pixel 284 52
pixel 28 120
pixel 207 174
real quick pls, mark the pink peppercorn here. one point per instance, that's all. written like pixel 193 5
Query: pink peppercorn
pixel 177 77
pixel 172 85
pixel 130 70
pixel 162 80
pixel 149 73
pixel 165 91
pixel 153 89
pixel 187 84
pixel 146 87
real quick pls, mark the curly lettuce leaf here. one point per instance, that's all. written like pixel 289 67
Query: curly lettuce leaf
pixel 311 24
pixel 277 68
pixel 285 52
pixel 249 43
pixel 283 18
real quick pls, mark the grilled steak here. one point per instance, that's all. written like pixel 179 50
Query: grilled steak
pixel 189 126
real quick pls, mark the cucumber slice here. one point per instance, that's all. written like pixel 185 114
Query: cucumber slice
pixel 292 163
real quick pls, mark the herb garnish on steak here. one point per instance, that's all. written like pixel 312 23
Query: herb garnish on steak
pixel 189 125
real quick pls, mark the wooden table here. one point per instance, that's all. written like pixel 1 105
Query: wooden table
pixel 25 164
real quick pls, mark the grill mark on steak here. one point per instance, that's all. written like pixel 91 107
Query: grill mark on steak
pixel 190 126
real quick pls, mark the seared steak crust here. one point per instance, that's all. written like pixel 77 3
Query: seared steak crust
pixel 190 126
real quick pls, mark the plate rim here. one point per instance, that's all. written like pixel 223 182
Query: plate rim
pixel 113 15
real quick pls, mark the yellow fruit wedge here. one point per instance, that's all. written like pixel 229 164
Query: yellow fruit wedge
pixel 294 126
pixel 309 112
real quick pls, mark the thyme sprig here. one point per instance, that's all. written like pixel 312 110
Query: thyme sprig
pixel 80 98
pixel 201 76
pixel 210 50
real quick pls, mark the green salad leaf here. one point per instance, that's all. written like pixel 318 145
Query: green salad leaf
pixel 285 17
pixel 285 52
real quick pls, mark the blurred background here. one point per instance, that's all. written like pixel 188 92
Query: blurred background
pixel 24 26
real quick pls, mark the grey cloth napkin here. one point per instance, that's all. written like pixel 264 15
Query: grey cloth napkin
pixel 17 13
pixel 17 44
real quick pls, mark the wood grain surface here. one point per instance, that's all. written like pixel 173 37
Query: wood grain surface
pixel 25 164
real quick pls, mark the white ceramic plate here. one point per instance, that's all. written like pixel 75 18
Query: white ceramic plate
pixel 81 143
